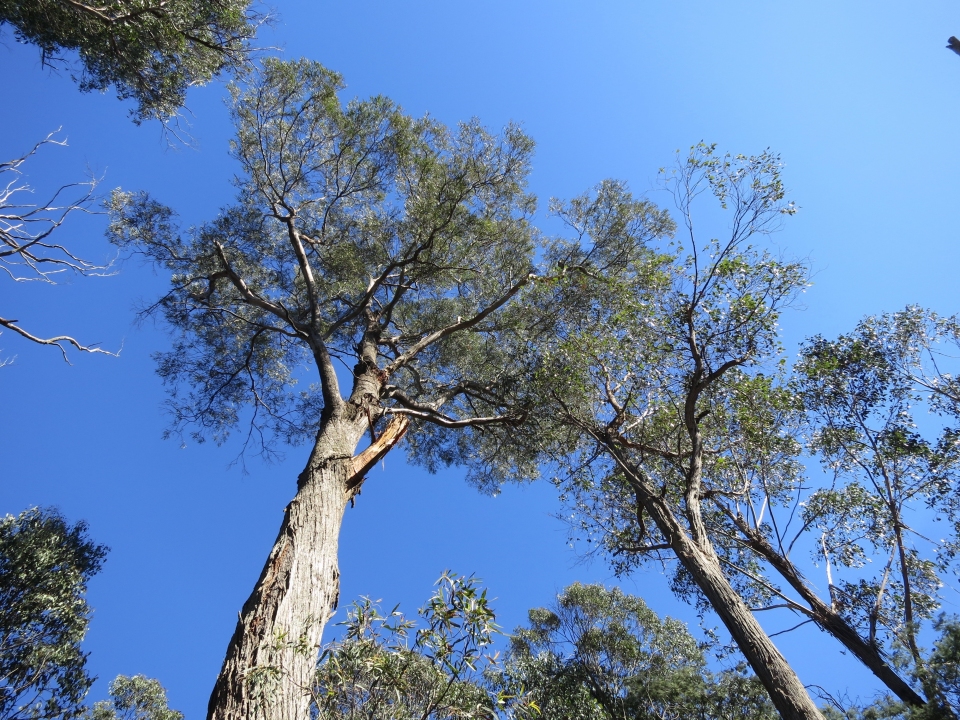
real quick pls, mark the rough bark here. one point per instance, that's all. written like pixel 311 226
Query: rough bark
pixel 788 694
pixel 270 661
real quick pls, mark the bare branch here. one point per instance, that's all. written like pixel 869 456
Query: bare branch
pixel 59 340
pixel 26 253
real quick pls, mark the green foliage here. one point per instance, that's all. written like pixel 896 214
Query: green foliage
pixel 943 664
pixel 45 564
pixel 597 654
pixel 385 668
pixel 862 392
pixel 665 359
pixel 666 406
pixel 601 654
pixel 359 235
pixel 134 698
pixel 148 50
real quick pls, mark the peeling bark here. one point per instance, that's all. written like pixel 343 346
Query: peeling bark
pixel 364 462
pixel 272 656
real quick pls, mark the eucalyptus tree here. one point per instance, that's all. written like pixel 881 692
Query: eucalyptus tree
pixel 391 246
pixel 151 51
pixel 650 388
pixel 134 698
pixel 677 431
pixel 45 565
pixel 598 653
pixel 893 476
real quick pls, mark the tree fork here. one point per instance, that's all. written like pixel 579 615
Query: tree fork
pixel 269 665
pixel 779 679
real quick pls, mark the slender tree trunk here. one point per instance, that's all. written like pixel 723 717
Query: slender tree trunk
pixel 695 550
pixel 271 659
pixel 831 621
pixel 784 687
pixel 786 691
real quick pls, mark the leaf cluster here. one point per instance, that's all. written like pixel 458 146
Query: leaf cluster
pixel 134 698
pixel 600 653
pixel 45 564
pixel 862 392
pixel 386 668
pixel 150 51
pixel 360 236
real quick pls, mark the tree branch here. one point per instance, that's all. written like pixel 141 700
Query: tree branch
pixel 57 341
pixel 458 326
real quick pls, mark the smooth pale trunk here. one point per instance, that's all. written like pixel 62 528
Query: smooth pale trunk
pixel 268 670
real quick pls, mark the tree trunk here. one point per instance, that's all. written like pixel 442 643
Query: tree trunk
pixel 784 687
pixel 268 670
pixel 830 620
pixel 786 691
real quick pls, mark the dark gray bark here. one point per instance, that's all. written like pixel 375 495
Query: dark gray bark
pixel 269 666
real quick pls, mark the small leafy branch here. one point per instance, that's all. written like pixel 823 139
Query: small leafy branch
pixel 386 667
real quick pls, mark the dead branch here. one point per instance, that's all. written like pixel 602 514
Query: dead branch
pixel 27 252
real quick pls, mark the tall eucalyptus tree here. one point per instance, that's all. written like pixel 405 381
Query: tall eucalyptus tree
pixel 677 432
pixel 893 475
pixel 360 236
pixel 597 653
pixel 650 388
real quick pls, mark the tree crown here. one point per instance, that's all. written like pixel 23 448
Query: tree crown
pixel 361 236
pixel 150 51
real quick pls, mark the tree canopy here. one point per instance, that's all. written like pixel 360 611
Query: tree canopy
pixel 387 666
pixel 45 565
pixel 601 653
pixel 361 237
pixel 653 400
pixel 134 698
pixel 893 473
pixel 367 250
pixel 150 51
pixel 595 654
pixel 677 432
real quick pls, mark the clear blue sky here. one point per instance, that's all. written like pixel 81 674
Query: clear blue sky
pixel 860 98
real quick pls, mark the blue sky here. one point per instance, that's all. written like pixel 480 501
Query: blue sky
pixel 861 100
